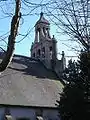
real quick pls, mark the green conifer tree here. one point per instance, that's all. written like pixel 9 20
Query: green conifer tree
pixel 74 102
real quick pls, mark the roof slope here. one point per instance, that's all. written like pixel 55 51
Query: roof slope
pixel 27 82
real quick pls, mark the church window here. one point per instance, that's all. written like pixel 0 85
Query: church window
pixel 43 49
pixel 39 114
pixel 22 118
pixel 39 52
pixel 33 54
pixel 38 29
pixel 43 52
pixel 50 48
pixel 38 34
pixel 7 114
pixel 44 31
pixel 46 28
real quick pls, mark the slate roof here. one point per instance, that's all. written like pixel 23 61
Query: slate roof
pixel 27 82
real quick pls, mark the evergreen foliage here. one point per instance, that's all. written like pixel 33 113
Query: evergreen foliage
pixel 74 102
pixel 72 71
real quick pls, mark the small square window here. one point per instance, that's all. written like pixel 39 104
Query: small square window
pixel 22 118
pixel 39 112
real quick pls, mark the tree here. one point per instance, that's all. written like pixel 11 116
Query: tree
pixel 69 102
pixel 14 27
pixel 85 78
pixel 11 39
pixel 73 18
pixel 71 107
pixel 74 102
pixel 71 71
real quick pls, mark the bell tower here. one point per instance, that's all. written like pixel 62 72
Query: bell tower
pixel 44 47
pixel 42 29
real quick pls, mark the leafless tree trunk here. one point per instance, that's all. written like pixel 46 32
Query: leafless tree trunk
pixel 11 39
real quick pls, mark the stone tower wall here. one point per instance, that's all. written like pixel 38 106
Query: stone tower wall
pixel 44 47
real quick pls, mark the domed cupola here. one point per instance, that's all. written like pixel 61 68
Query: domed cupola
pixel 42 29
pixel 42 20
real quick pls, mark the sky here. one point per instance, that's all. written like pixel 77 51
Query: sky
pixel 27 23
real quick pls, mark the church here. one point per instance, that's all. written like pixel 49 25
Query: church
pixel 30 86
pixel 44 47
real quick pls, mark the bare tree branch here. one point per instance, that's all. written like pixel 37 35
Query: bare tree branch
pixel 11 39
pixel 73 17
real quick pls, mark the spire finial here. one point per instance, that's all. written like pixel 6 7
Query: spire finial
pixel 41 14
pixel 63 54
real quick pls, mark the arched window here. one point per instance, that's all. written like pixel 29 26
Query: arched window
pixel 50 49
pixel 44 30
pixel 43 52
pixel 38 34
pixel 33 54
pixel 39 52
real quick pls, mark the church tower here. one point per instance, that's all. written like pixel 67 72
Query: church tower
pixel 44 47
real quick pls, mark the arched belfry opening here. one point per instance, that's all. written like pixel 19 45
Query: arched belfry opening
pixel 44 47
pixel 42 29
